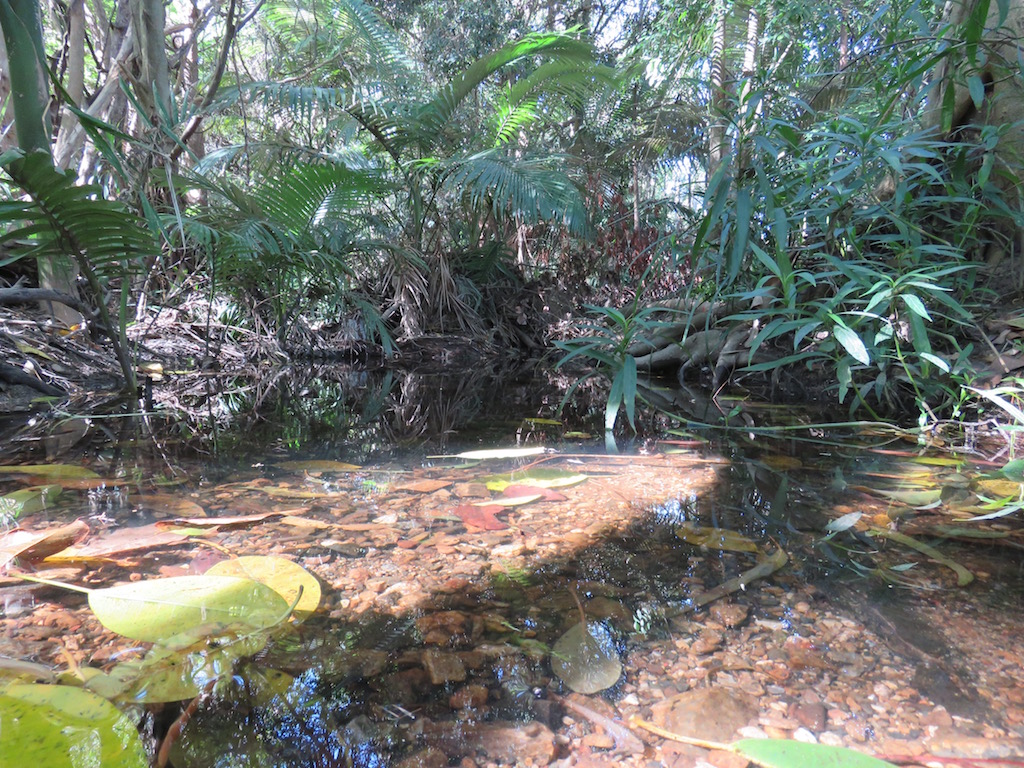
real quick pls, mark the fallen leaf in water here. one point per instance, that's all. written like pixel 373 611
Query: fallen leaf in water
pixel 158 609
pixel 227 521
pixel 289 579
pixel 33 546
pixel 543 478
pixel 482 518
pixel 118 542
pixel 167 504
pixel 58 724
pixel 533 490
pixel 781 463
pixel 317 466
pixel 497 453
pixel 422 486
pixel 507 501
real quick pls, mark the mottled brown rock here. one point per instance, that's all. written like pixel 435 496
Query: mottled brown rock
pixel 469 697
pixel 720 758
pixel 810 715
pixel 714 714
pixel 443 667
pixel 729 614
pixel 431 757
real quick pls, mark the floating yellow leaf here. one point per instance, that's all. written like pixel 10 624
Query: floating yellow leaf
pixel 280 574
pixel 155 610
pixel 539 478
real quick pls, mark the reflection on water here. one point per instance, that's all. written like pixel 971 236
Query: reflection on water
pixel 434 642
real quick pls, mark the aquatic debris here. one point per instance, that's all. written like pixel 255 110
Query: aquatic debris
pixel 625 740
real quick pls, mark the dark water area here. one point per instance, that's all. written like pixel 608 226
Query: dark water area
pixel 450 626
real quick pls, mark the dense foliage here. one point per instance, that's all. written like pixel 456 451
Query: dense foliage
pixel 835 177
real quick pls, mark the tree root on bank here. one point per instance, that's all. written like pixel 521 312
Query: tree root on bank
pixel 697 342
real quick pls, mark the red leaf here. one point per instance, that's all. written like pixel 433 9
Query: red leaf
pixel 481 518
pixel 546 494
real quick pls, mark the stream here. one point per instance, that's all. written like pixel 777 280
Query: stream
pixel 499 584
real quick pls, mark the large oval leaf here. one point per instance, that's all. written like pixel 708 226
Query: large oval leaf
pixel 155 610
pixel 780 753
pixel 281 575
pixel 585 658
pixel 58 726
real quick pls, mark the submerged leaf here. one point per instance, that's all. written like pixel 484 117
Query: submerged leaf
pixel 963 576
pixel 51 471
pixel 158 609
pixel 918 499
pixel 31 546
pixel 500 453
pixel 507 501
pixel 280 574
pixel 715 538
pixel 482 518
pixel 585 658
pixel 317 466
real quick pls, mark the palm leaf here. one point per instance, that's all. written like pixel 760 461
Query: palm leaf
pixel 61 218
pixel 529 189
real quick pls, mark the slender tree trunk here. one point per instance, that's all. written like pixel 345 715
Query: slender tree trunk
pixel 75 86
pixel 154 85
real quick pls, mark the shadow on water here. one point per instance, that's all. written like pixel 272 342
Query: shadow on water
pixel 464 670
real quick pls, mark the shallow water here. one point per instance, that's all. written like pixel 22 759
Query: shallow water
pixel 435 639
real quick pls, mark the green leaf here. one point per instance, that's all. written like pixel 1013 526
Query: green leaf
pixel 915 305
pixel 976 88
pixel 781 753
pixel 58 726
pixel 963 576
pixel 155 610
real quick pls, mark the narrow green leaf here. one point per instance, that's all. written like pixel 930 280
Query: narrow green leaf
pixel 781 753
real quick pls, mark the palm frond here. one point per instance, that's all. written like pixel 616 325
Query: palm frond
pixel 529 189
pixel 61 218
pixel 555 46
